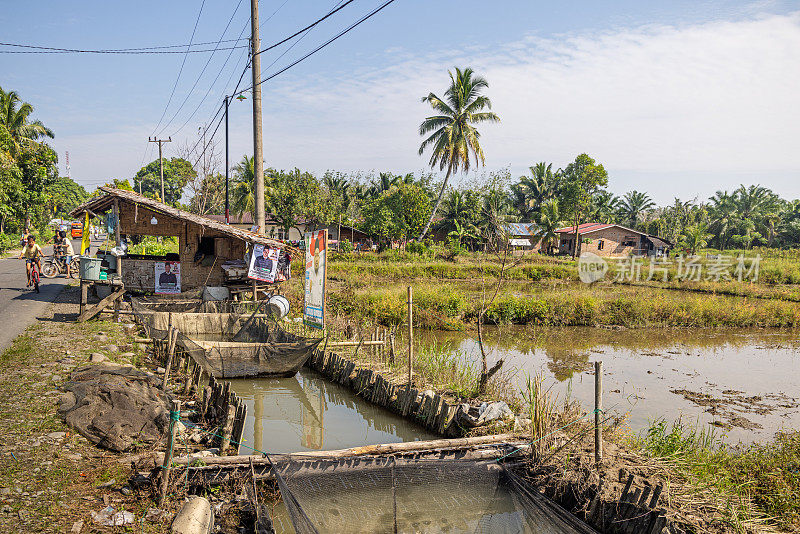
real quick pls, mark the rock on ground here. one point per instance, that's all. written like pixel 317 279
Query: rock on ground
pixel 117 407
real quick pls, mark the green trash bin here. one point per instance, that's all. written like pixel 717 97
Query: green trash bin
pixel 90 268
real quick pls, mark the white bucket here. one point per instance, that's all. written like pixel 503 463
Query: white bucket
pixel 278 306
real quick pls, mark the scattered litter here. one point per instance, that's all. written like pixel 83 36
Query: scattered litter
pixel 471 416
pixel 154 515
pixel 109 517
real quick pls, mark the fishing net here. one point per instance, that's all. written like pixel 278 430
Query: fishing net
pixel 390 495
pixel 241 343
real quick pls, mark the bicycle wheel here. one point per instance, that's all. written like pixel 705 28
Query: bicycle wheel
pixel 35 275
pixel 49 269
pixel 74 267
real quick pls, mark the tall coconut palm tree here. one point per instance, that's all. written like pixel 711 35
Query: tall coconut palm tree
pixel 694 238
pixel 243 194
pixel 723 214
pixel 604 208
pixel 548 220
pixel 532 191
pixel 454 138
pixel 633 205
pixel 493 216
pixel 15 116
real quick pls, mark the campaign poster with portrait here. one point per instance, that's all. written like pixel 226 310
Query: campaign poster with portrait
pixel 168 277
pixel 316 266
pixel 263 263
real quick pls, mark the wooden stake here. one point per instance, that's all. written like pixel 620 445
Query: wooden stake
pixel 187 385
pixel 227 429
pixel 391 348
pixel 410 336
pixel 598 410
pixel 167 466
pixel 173 337
pixel 84 297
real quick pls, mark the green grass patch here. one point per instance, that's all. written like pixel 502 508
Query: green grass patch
pixel 760 481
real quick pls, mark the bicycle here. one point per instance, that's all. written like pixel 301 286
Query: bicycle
pixel 35 276
pixel 56 265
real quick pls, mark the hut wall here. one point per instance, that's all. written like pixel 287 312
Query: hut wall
pixel 137 221
pixel 139 274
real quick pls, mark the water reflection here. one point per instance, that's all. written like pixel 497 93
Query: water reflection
pixel 307 412
pixel 653 373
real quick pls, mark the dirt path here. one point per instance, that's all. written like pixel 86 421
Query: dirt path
pixel 51 479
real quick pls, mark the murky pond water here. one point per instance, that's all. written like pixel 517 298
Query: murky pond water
pixel 307 412
pixel 746 382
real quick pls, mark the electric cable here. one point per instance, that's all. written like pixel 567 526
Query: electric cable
pixel 203 70
pixel 144 49
pixel 323 45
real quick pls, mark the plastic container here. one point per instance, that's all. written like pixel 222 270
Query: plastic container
pixel 103 275
pixel 278 306
pixel 90 268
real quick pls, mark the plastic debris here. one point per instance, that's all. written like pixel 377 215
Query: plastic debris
pixel 110 517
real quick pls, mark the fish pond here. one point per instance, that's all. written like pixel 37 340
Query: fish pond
pixel 744 383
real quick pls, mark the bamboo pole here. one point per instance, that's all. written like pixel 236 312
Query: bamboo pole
pixel 167 465
pixel 368 450
pixel 391 348
pixel 173 338
pixel 410 336
pixel 598 409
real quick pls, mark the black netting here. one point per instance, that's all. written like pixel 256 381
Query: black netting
pixel 387 495
pixel 242 343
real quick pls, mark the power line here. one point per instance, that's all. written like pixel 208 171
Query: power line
pixel 297 42
pixel 169 100
pixel 145 50
pixel 306 28
pixel 208 91
pixel 323 45
pixel 203 70
pixel 191 39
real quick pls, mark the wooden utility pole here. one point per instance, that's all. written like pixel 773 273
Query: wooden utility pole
pixel 258 152
pixel 160 164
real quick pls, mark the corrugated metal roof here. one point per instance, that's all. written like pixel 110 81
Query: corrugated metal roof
pixel 526 229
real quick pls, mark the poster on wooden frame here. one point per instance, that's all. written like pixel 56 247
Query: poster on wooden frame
pixel 316 269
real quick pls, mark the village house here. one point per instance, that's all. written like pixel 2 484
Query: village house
pixel 205 246
pixel 611 240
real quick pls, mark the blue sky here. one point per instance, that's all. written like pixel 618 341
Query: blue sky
pixel 677 99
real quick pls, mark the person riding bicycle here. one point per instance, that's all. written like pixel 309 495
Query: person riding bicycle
pixel 63 249
pixel 32 252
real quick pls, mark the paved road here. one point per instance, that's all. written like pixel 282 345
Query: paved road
pixel 20 306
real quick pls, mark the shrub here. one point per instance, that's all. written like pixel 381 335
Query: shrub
pixel 346 246
pixel 421 249
pixel 6 242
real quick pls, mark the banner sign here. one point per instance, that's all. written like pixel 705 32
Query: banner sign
pixel 316 267
pixel 168 277
pixel 263 263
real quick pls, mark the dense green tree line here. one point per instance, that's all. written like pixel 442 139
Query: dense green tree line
pixel 31 192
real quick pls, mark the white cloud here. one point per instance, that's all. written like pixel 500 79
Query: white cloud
pixel 712 98
pixel 681 107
